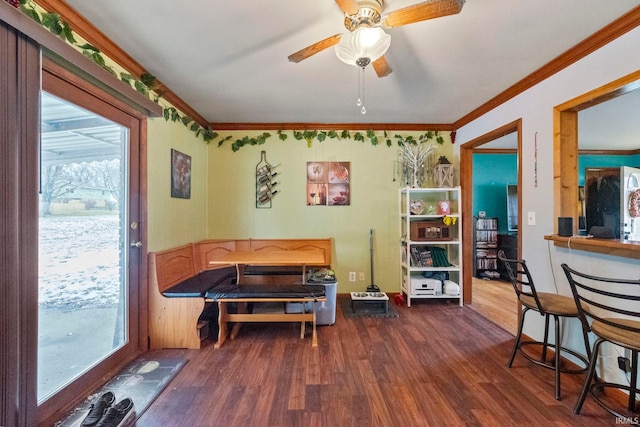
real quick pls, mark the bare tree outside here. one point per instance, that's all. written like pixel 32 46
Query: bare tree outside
pixel 61 182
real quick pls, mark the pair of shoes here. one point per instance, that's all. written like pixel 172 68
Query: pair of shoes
pixel 97 409
pixel 117 415
pixel 103 412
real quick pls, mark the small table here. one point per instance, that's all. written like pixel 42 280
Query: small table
pixel 370 298
pixel 241 259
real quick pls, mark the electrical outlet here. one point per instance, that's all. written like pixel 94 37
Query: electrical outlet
pixel 361 277
pixel 352 276
pixel 624 364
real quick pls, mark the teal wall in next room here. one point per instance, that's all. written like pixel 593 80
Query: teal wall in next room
pixel 491 175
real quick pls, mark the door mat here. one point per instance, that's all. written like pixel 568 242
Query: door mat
pixel 366 310
pixel 142 380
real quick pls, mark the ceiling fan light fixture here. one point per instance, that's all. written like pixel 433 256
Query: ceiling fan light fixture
pixel 363 46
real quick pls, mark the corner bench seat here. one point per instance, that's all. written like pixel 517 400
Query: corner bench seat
pixel 185 280
pixel 198 286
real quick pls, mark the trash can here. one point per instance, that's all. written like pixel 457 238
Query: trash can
pixel 325 310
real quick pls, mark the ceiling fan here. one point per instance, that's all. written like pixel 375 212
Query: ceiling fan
pixel 366 42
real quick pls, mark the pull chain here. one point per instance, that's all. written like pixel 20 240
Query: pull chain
pixel 359 101
pixel 363 110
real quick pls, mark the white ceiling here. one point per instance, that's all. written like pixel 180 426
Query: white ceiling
pixel 228 59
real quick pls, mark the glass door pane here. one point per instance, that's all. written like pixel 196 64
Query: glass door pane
pixel 82 277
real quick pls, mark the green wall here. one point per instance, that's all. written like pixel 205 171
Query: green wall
pixel 174 222
pixel 231 210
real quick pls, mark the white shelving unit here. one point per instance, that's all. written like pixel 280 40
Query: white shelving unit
pixel 428 243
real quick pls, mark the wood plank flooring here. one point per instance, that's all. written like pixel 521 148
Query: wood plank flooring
pixel 496 300
pixel 435 365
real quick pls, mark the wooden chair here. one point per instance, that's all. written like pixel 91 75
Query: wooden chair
pixel 610 309
pixel 547 305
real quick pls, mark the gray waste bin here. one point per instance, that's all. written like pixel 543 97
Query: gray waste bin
pixel 326 310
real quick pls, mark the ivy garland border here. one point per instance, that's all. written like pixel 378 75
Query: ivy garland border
pixel 146 86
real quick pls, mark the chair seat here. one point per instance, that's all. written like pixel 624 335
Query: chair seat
pixel 553 304
pixel 623 337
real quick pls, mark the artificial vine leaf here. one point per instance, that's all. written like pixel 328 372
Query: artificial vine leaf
pixel 166 112
pixel 140 87
pixel 322 136
pixel 195 127
pixel 358 137
pixel 125 77
pixel 148 79
pixel 186 120
pixel 297 135
pixel 30 12
pixel 440 140
pixel 282 135
pixel 98 59
pixel 259 140
pixel 345 134
pixel 333 134
pixel 51 21
pixel 111 70
pixel 374 140
pixel 87 46
pixel 67 33
pixel 370 133
pixel 309 134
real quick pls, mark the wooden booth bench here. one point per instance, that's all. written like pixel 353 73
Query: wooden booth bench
pixel 190 280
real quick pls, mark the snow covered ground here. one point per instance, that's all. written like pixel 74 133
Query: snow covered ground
pixel 79 290
pixel 79 264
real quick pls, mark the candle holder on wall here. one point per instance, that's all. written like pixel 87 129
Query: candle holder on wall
pixel 265 182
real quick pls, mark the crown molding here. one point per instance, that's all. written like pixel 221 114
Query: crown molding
pixel 96 38
pixel 617 28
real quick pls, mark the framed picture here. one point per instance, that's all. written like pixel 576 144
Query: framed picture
pixel 180 175
pixel 328 184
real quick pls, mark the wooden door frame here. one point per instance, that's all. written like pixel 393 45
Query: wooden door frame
pixel 68 86
pixel 466 184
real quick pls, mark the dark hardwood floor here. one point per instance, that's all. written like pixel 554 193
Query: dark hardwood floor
pixel 435 365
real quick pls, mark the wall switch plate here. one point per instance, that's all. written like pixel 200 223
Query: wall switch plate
pixel 531 218
pixel 361 277
pixel 352 276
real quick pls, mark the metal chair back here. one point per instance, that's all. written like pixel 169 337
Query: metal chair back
pixel 520 278
pixel 605 299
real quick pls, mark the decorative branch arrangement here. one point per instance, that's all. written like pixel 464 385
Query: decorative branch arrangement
pixel 416 163
pixel 146 85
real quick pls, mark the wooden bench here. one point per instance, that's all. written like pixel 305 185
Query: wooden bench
pixel 179 279
pixel 245 294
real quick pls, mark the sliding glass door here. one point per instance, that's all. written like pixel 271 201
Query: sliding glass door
pixel 88 238
pixel 82 281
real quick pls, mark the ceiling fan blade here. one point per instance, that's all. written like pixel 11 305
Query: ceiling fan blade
pixel 315 48
pixel 350 7
pixel 382 66
pixel 421 12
